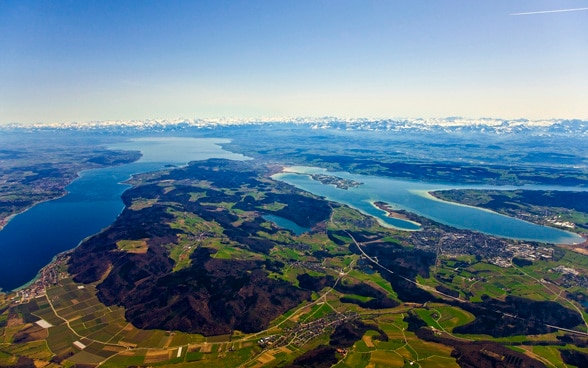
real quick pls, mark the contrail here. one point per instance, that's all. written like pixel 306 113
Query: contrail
pixel 551 11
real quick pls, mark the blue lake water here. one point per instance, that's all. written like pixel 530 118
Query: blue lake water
pixel 33 238
pixel 286 224
pixel 413 197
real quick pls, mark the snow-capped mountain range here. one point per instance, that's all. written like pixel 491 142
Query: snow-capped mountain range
pixel 448 125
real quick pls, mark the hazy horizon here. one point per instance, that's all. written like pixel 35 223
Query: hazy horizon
pixel 137 60
pixel 232 120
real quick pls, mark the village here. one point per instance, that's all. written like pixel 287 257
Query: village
pixel 48 276
pixel 302 333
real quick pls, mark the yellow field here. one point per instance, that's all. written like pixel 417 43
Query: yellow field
pixel 157 356
pixel 386 359
pixel 265 358
pixel 368 341
pixel 206 348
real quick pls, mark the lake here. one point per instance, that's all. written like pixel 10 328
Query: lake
pixel 93 201
pixel 286 224
pixel 413 197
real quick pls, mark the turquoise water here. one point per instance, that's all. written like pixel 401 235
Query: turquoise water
pixel 33 238
pixel 413 197
pixel 286 224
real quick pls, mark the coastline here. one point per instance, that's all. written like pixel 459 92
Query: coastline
pixel 47 275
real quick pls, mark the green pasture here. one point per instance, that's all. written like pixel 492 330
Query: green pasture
pixel 132 246
pixel 355 359
pixel 317 311
pixel 427 316
pixel 390 359
pixel 141 203
pixel 436 361
pixel 61 339
pixel 373 279
pixel 551 353
pixel 194 196
pixel 135 359
pixel 235 252
pixel 450 317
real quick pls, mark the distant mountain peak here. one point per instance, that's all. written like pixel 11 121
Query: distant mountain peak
pixel 453 124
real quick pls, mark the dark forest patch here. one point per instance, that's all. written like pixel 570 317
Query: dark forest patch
pixel 211 296
pixel 516 316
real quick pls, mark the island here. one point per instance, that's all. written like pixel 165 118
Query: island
pixel 338 182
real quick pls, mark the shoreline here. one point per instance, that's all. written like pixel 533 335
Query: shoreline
pixel 390 212
pixel 59 255
pixel 581 235
pixel 39 276
pixel 4 222
pixel 37 286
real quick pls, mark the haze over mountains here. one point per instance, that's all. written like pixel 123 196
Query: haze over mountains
pixel 547 127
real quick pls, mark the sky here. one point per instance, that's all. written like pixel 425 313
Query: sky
pixel 83 60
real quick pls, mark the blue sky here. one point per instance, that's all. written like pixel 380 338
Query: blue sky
pixel 100 60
